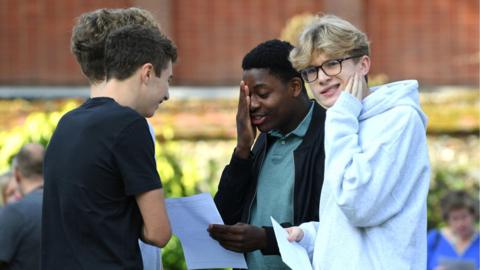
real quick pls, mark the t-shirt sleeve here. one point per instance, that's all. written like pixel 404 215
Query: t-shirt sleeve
pixel 10 226
pixel 135 156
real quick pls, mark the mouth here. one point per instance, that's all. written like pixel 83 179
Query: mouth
pixel 329 91
pixel 258 119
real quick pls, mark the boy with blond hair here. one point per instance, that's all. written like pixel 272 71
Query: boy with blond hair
pixel 373 210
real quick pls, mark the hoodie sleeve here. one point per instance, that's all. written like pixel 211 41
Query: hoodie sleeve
pixel 371 185
pixel 309 234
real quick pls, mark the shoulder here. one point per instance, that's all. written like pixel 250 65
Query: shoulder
pixel 433 237
pixel 401 119
pixel 123 114
pixel 11 213
pixel 121 120
pixel 432 233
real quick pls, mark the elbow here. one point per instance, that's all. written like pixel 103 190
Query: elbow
pixel 361 216
pixel 355 218
pixel 158 237
pixel 366 217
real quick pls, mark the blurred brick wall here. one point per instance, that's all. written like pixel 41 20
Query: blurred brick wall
pixel 435 41
pixel 35 40
pixel 213 36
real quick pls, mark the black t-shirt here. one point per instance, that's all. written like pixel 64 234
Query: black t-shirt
pixel 100 156
pixel 20 224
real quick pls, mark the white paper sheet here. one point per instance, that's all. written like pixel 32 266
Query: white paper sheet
pixel 293 255
pixel 189 218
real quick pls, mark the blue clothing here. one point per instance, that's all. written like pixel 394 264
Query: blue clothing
pixel 20 232
pixel 439 248
pixel 275 189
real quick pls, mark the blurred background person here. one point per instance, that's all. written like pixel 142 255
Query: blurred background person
pixel 9 189
pixel 455 246
pixel 20 221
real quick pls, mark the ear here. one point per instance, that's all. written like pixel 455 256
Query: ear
pixel 147 72
pixel 365 65
pixel 17 175
pixel 296 86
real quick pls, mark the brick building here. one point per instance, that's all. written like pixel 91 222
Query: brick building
pixel 434 41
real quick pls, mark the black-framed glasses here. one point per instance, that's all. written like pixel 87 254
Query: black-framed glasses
pixel 330 68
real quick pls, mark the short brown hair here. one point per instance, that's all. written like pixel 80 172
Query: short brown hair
pixel 458 199
pixel 131 46
pixel 29 160
pixel 91 31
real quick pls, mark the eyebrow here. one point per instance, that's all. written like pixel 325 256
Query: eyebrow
pixel 260 85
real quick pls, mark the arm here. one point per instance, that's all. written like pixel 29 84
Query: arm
pixel 237 176
pixel 232 189
pixel 156 227
pixel 371 185
pixel 135 158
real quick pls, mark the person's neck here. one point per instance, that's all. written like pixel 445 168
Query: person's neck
pixel 123 92
pixel 298 114
pixel 29 185
pixel 96 89
pixel 460 243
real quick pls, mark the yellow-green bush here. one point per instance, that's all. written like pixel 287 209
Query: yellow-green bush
pixel 188 167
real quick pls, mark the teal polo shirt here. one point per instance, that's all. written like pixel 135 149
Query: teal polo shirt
pixel 275 187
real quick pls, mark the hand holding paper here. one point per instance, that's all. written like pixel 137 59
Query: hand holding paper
pixel 293 255
pixel 189 218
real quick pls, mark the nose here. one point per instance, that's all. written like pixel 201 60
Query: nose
pixel 254 104
pixel 322 77
pixel 167 96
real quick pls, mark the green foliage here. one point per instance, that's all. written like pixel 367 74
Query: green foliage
pixel 38 127
pixel 186 168
pixel 190 167
pixel 447 178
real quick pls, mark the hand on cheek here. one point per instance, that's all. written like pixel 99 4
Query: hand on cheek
pixel 357 86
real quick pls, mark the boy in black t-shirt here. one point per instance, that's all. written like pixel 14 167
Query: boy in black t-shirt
pixel 102 190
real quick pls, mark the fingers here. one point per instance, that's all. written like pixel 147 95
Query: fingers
pixel 294 234
pixel 348 87
pixel 233 246
pixel 226 232
pixel 355 85
pixel 218 228
pixel 364 85
pixel 242 96
pixel 246 89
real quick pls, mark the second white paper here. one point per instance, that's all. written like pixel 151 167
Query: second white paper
pixel 189 218
pixel 293 255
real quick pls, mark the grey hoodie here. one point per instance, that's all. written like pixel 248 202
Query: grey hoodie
pixel 373 209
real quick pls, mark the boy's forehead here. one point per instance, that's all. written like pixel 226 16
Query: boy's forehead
pixel 319 57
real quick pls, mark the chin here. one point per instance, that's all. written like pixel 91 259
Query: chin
pixel 263 128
